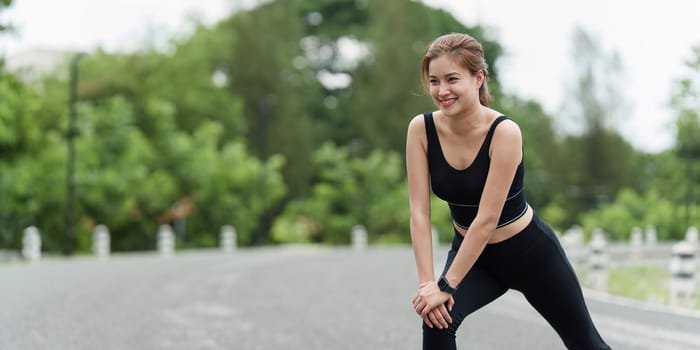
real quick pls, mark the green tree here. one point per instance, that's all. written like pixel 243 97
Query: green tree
pixel 19 132
pixel 4 27
pixel 631 209
pixel 601 161
pixel 20 149
pixel 145 144
pixel 370 190
pixel 191 79
pixel 686 101
pixel 224 123
pixel 668 200
pixel 263 73
pixel 347 189
pixel 133 183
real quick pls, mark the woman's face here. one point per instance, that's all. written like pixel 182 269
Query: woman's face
pixel 453 88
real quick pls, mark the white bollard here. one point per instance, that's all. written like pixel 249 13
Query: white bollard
pixel 573 237
pixel 568 239
pixel 650 236
pixel 166 240
pixel 572 242
pixel 31 244
pixel 101 242
pixel 228 238
pixel 682 268
pixel 636 242
pixel 598 261
pixel 359 237
pixel 691 236
pixel 578 236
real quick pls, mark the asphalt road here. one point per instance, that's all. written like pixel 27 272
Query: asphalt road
pixel 276 298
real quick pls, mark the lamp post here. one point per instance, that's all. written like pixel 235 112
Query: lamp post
pixel 70 163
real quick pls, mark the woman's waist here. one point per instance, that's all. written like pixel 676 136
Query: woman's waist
pixel 513 209
pixel 506 230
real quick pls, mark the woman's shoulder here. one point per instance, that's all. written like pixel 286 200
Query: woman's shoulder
pixel 418 121
pixel 508 131
pixel 416 128
pixel 507 122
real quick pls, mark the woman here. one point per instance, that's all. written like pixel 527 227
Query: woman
pixel 471 156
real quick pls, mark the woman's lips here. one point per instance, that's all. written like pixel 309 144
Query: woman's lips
pixel 445 103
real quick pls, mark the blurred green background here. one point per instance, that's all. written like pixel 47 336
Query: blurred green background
pixel 264 122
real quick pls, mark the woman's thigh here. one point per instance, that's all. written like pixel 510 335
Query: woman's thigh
pixel 551 286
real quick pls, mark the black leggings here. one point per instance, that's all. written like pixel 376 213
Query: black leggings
pixel 533 263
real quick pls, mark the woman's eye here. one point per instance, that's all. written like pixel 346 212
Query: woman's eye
pixel 433 82
pixel 452 80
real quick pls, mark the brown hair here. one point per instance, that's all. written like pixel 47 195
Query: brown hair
pixel 467 51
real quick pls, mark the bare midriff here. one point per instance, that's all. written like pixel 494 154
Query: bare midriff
pixel 508 231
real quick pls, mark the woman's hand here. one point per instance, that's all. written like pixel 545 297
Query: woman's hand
pixel 433 305
pixel 438 317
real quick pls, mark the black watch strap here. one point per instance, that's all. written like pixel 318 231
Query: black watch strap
pixel 444 285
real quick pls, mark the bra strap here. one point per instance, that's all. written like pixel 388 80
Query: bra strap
pixel 492 129
pixel 430 131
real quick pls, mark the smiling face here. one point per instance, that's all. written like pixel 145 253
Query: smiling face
pixel 454 89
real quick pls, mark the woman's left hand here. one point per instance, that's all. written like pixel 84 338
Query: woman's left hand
pixel 430 296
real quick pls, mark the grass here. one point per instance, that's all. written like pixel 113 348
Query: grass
pixel 641 282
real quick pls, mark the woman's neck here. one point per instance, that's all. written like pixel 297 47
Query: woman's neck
pixel 465 123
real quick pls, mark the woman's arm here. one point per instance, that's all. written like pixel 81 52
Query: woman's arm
pixel 419 198
pixel 506 155
pixel 421 234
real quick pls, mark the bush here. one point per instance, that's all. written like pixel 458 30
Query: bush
pixel 631 209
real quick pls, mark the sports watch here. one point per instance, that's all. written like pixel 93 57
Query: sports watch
pixel 444 285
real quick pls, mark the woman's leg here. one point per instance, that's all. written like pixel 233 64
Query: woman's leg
pixel 477 289
pixel 550 285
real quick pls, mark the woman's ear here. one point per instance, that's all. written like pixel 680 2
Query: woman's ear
pixel 480 77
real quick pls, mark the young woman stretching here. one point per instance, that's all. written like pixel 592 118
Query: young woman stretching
pixel 472 157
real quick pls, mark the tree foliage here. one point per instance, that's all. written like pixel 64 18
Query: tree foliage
pixel 632 209
pixel 599 161
pixel 5 27
pixel 368 190
pixel 669 200
pixel 288 121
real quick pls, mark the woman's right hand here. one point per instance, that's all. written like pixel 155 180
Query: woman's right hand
pixel 438 317
pixel 433 316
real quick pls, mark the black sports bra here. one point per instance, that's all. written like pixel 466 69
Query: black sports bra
pixel 462 189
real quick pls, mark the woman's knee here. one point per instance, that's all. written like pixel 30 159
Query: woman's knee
pixel 434 331
pixel 436 338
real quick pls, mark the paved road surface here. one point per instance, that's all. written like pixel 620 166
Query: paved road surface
pixel 274 298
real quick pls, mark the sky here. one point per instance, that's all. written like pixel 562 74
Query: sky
pixel 653 39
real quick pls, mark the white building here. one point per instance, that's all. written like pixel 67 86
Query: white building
pixel 31 64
